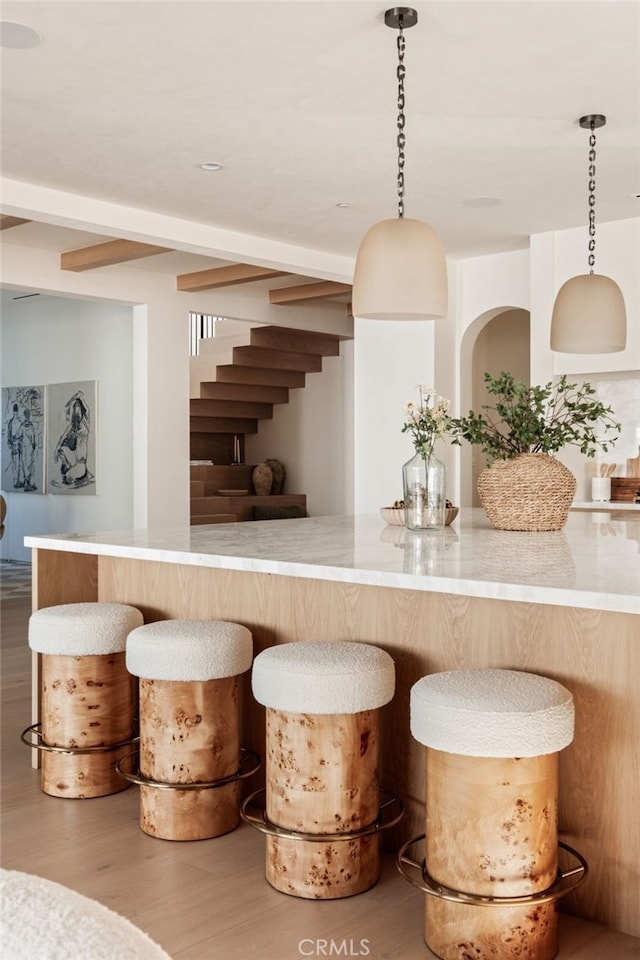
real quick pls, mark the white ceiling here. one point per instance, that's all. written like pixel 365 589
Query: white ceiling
pixel 122 100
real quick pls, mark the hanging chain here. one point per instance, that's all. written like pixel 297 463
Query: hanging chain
pixel 592 199
pixel 400 72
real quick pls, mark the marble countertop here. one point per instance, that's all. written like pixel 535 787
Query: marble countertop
pixel 593 562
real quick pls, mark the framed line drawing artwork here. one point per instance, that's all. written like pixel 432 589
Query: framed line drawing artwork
pixel 72 440
pixel 23 426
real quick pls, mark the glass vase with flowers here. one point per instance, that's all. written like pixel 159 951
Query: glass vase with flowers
pixel 424 477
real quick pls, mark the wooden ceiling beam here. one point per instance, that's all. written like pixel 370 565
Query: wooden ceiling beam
pixel 107 254
pixel 322 290
pixel 225 277
pixel 6 222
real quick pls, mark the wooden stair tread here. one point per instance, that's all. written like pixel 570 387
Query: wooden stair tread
pixel 260 393
pixel 277 359
pixel 234 373
pixel 222 425
pixel 296 341
pixel 245 409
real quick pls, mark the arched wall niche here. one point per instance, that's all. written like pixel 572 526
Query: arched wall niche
pixel 497 340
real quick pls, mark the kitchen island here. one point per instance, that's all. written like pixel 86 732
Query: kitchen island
pixel 563 604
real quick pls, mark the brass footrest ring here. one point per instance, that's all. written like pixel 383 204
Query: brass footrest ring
pixel 246 757
pixel 391 807
pixel 565 882
pixel 35 731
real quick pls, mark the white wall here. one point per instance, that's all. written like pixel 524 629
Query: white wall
pixel 312 435
pixel 481 288
pixel 53 340
pixel 501 345
pixel 389 360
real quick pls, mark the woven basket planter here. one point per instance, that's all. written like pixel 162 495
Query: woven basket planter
pixel 533 491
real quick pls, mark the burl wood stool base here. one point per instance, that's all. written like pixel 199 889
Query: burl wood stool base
pixel 86 728
pixel 190 760
pixel 491 867
pixel 323 814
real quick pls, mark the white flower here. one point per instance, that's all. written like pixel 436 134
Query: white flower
pixel 427 420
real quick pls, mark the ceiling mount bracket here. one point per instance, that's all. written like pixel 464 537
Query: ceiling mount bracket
pixel 401 17
pixel 592 121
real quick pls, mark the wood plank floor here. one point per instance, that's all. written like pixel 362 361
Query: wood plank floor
pixel 205 900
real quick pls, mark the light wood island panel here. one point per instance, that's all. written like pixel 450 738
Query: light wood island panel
pixel 594 653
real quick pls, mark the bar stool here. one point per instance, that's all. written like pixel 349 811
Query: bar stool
pixel 323 812
pixel 190 759
pixel 87 718
pixel 490 872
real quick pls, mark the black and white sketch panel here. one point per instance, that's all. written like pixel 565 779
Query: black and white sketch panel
pixel 72 437
pixel 23 424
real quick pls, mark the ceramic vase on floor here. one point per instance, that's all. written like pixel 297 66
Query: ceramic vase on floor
pixel 262 479
pixel 424 482
pixel 279 474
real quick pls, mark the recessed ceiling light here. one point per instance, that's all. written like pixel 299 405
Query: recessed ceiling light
pixel 17 36
pixel 210 165
pixel 481 202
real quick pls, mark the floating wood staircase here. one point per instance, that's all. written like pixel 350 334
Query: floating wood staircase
pixel 245 390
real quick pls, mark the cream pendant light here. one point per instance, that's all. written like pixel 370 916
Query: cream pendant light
pixel 589 313
pixel 400 271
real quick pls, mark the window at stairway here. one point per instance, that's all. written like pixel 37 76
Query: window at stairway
pixel 202 326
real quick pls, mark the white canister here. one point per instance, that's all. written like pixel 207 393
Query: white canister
pixel 601 489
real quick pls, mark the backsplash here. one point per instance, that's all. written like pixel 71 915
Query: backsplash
pixel 623 395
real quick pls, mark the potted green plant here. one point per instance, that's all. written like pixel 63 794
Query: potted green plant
pixel 524 486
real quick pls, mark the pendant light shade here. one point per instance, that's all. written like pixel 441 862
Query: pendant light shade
pixel 400 273
pixel 401 270
pixel 589 314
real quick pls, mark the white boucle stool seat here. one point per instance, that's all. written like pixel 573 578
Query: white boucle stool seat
pixel 492 713
pixel 188 650
pixel 323 677
pixel 82 629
